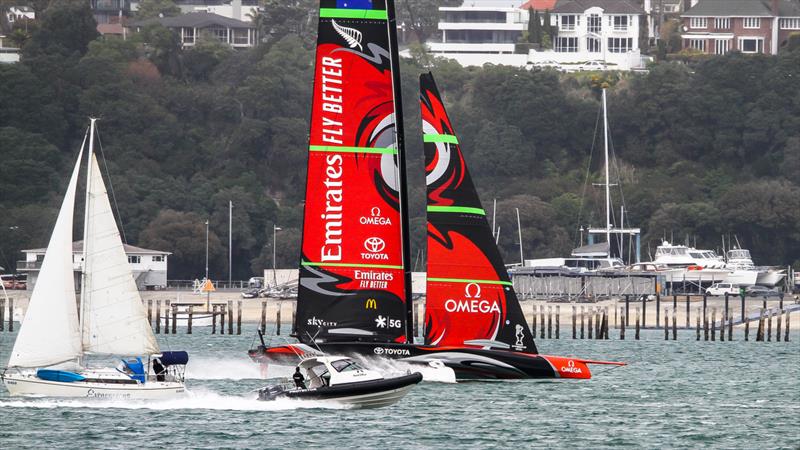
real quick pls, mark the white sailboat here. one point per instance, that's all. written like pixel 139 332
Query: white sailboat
pixel 49 355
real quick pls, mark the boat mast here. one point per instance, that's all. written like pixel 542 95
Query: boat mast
pixel 402 191
pixel 84 269
pixel 608 190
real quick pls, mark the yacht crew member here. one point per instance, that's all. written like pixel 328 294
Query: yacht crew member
pixel 299 379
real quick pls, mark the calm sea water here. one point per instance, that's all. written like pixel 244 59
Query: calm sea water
pixel 673 394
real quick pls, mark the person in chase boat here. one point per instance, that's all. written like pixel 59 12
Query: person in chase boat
pixel 299 379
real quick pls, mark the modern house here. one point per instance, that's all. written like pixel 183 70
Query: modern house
pixel 20 14
pixel 110 11
pixel 716 27
pixel 595 30
pixel 191 26
pixel 149 266
pixel 480 32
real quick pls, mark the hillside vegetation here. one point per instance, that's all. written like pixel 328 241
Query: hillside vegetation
pixel 701 150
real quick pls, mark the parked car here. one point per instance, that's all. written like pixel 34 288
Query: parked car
pixel 761 291
pixel 723 288
pixel 592 65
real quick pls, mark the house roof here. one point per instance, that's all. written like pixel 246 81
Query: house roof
pixel 77 247
pixel 194 20
pixel 743 8
pixel 539 5
pixel 110 28
pixel 608 6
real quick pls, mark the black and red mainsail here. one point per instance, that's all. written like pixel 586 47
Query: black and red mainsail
pixel 470 298
pixel 353 273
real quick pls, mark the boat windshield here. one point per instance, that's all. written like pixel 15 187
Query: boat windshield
pixel 345 365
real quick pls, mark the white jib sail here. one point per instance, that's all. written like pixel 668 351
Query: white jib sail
pixel 49 333
pixel 114 319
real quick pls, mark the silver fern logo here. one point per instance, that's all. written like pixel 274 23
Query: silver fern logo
pixel 350 35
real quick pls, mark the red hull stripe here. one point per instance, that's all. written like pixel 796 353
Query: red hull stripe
pixel 456 209
pixel 337 13
pixel 460 280
pixel 330 148
pixel 447 138
pixel 326 264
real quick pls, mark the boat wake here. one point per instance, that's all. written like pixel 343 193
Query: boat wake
pixel 194 399
pixel 231 369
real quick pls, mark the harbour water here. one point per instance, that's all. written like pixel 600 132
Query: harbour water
pixel 674 394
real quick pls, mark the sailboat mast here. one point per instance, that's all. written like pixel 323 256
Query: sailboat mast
pixel 608 189
pixel 394 63
pixel 84 267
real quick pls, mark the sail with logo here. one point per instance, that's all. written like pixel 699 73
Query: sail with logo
pixel 470 298
pixel 353 280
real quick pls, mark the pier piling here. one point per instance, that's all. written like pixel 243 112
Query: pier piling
pixel 230 316
pixel 760 332
pixel 167 307
pixel 533 323
pixel 621 324
pixel 658 310
pixel 2 313
pixel 722 326
pixel 730 328
pixel 589 327
pixel 644 311
pixel 221 319
pixel 541 322
pixel 189 321
pixel 278 320
pixel 582 316
pixel 770 312
pixel 688 319
pixel 574 322
pixel 698 323
pixel 675 325
pixel 627 308
pixel 263 316
pixel 214 319
pixel 705 306
pixel 741 296
pixel 158 316
pixel 149 313
pixel 778 326
pixel 174 318
pixel 713 324
pixel 705 326
pixel 549 322
pixel 666 323
pixel 558 321
pixel 746 330
pixel 786 334
pixel 637 324
pixel 238 317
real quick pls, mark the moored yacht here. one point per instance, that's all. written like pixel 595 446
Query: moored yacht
pixel 739 259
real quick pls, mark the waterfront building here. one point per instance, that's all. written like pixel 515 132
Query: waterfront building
pixel 191 26
pixel 149 266
pixel 716 27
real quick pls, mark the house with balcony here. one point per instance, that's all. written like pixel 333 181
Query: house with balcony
pixel 149 266
pixel 716 27
pixel 480 32
pixel 189 27
pixel 606 31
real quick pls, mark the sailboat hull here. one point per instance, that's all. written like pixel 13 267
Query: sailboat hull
pixel 24 384
pixel 468 363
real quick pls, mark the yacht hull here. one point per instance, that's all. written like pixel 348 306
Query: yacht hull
pixel 21 384
pixel 770 278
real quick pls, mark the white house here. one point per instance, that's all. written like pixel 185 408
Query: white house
pixel 8 55
pixel 233 9
pixel 595 30
pixel 480 32
pixel 149 266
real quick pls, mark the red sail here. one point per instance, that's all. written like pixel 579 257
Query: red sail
pixel 469 295
pixel 351 273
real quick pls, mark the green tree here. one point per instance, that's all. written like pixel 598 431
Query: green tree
pixel 421 16
pixel 67 27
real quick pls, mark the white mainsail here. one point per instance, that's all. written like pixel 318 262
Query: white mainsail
pixel 114 320
pixel 49 334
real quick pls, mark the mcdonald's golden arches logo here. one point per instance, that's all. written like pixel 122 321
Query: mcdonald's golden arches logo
pixel 371 304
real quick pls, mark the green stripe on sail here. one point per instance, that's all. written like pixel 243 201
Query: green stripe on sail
pixel 448 138
pixel 333 148
pixel 368 266
pixel 461 280
pixel 457 209
pixel 341 13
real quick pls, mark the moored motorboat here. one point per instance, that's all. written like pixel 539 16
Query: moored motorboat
pixel 340 380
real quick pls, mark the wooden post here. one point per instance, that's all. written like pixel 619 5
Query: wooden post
pixel 674 304
pixel 769 325
pixel 582 314
pixel 238 317
pixel 644 311
pixel 189 321
pixel 658 310
pixel 760 332
pixel 627 308
pixel 741 295
pixel 730 328
pixel 705 326
pixel 698 323
pixel 637 324
pixel 278 320
pixel 666 323
pixel 549 322
pixel 541 322
pixel 263 316
pixel 158 316
pixel 605 323
pixel 713 324
pixel 230 316
pixel 598 321
pixel 558 322
pixel 722 326
pixel 589 327
pixel 149 313
pixel 533 327
pixel 10 315
pixel 705 307
pixel 174 318
pixel 2 313
pixel 574 322
pixel 786 333
pixel 221 319
pixel 167 307
pixel 688 317
pixel 621 323
pixel 747 330
pixel 293 314
pixel 727 314
pixel 214 319
pixel 778 327
pixel 675 324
